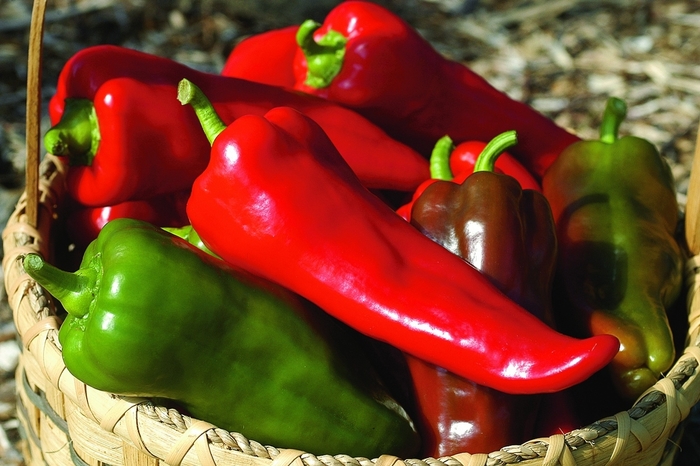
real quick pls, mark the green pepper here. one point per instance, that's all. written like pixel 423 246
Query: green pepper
pixel 619 263
pixel 151 315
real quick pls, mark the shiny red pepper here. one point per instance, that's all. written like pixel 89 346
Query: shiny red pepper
pixel 508 234
pixel 148 145
pixel 456 163
pixel 391 74
pixel 279 201
pixel 265 58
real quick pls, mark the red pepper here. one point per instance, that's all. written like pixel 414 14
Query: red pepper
pixel 464 156
pixel 83 224
pixel 265 58
pixel 150 145
pixel 278 200
pixel 392 75
pixel 448 162
pixel 508 234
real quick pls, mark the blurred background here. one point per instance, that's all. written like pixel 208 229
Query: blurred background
pixel 562 57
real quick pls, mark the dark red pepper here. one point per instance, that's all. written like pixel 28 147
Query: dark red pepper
pixel 391 74
pixel 557 413
pixel 456 163
pixel 508 234
pixel 148 145
pixel 83 224
pixel 279 201
pixel 265 58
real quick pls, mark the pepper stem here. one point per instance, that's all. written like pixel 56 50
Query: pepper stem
pixel 486 162
pixel 188 234
pixel 74 290
pixel 76 135
pixel 440 159
pixel 615 112
pixel 189 93
pixel 324 58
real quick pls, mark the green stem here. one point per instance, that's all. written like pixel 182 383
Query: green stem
pixel 188 234
pixel 74 290
pixel 487 158
pixel 615 113
pixel 324 58
pixel 76 135
pixel 440 159
pixel 212 124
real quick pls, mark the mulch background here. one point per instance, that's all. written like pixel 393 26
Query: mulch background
pixel 562 57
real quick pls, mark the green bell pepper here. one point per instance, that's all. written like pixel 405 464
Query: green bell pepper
pixel 151 315
pixel 620 266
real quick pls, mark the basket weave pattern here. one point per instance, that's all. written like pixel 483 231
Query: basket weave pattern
pixel 66 422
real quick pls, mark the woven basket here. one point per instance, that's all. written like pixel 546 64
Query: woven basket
pixel 66 422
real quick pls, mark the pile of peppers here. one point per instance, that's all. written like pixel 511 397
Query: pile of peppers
pixel 318 255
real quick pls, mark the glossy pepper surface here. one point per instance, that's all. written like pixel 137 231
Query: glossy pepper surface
pixel 456 163
pixel 277 199
pixel 392 75
pixel 221 350
pixel 508 234
pixel 265 58
pixel 620 267
pixel 117 119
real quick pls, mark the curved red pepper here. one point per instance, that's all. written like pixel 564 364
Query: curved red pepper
pixel 265 58
pixel 392 75
pixel 148 128
pixel 278 200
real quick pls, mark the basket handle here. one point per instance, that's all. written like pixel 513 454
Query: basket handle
pixel 692 209
pixel 33 127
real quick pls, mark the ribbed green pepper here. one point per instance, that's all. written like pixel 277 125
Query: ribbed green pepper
pixel 151 315
pixel 620 266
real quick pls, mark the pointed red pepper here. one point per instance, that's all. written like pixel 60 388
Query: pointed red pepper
pixel 391 74
pixel 278 200
pixel 130 139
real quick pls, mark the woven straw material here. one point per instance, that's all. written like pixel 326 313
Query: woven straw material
pixel 66 422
